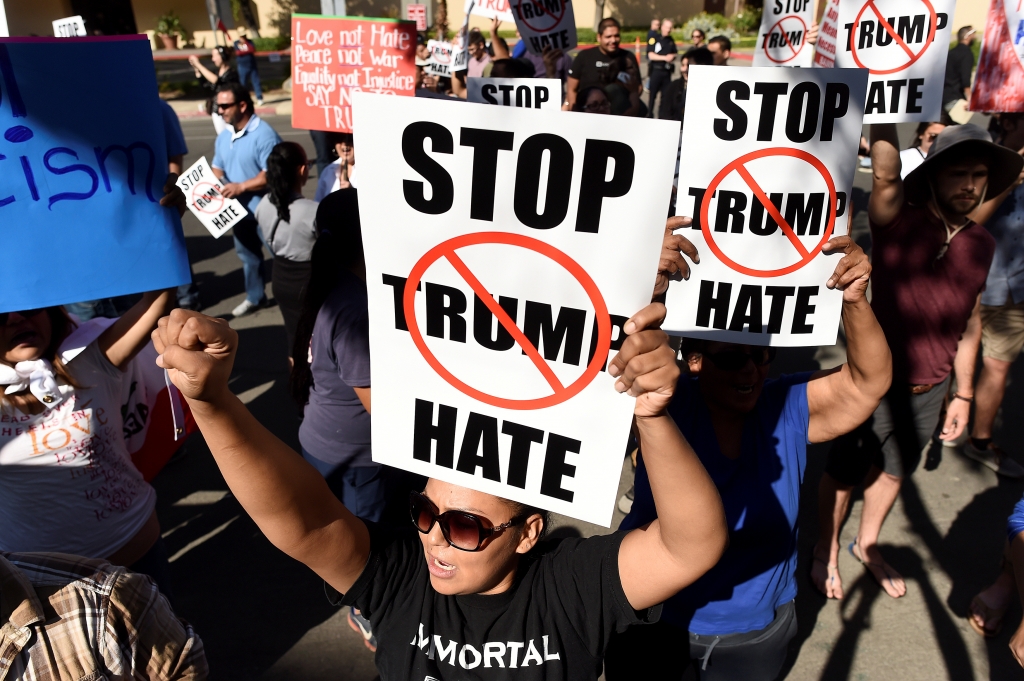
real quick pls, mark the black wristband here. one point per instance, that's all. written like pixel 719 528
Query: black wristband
pixel 957 396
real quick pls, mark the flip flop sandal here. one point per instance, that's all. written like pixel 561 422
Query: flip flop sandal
pixel 987 613
pixel 831 570
pixel 880 566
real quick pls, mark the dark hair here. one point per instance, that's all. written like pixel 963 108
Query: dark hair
pixel 61 325
pixel 692 346
pixel 338 247
pixel 512 68
pixel 475 36
pixel 697 30
pixel 524 511
pixel 283 165
pixel 239 92
pixel 723 43
pixel 701 55
pixel 225 53
pixel 963 32
pixel 921 127
pixel 996 126
pixel 605 23
pixel 583 95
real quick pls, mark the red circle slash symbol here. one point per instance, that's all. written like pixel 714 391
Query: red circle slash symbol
pixel 785 37
pixel 210 195
pixel 540 9
pixel 739 166
pixel 561 393
pixel 913 57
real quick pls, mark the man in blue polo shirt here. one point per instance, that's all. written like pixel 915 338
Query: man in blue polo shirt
pixel 240 161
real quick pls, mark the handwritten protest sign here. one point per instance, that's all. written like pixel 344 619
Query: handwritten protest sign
pixel 492 9
pixel 70 27
pixel 528 93
pixel 828 36
pixel 203 194
pixel 903 44
pixel 545 23
pixel 505 248
pixel 782 40
pixel 333 57
pixel 767 182
pixel 84 182
pixel 999 82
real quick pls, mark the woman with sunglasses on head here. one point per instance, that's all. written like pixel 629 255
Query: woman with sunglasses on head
pixel 751 434
pixel 469 592
pixel 67 483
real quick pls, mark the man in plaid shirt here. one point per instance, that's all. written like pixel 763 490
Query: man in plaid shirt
pixel 65 618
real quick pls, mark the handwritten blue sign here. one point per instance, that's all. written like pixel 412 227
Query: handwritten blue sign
pixel 83 162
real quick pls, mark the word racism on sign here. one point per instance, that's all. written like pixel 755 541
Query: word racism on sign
pixel 492 9
pixel 999 83
pixel 87 184
pixel 505 249
pixel 333 57
pixel 828 36
pixel 525 93
pixel 782 40
pixel 545 23
pixel 202 192
pixel 70 27
pixel 903 44
pixel 767 182
pixel 445 59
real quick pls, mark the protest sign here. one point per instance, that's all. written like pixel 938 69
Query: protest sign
pixel 505 249
pixel 782 40
pixel 545 23
pixel 999 82
pixel 828 36
pixel 80 187
pixel 442 57
pixel 417 14
pixel 69 27
pixel 527 93
pixel 332 57
pixel 767 181
pixel 903 44
pixel 492 9
pixel 202 192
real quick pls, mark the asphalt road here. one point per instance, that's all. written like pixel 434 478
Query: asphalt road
pixel 263 616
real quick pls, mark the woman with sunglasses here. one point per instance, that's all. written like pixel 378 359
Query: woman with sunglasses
pixel 468 592
pixel 751 434
pixel 67 483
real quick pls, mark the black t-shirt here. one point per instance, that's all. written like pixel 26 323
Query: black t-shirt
pixel 594 67
pixel 554 623
pixel 959 63
pixel 663 45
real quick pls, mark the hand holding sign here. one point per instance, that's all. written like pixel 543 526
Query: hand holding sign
pixel 210 201
pixel 646 365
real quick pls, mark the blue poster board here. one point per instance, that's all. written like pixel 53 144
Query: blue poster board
pixel 83 162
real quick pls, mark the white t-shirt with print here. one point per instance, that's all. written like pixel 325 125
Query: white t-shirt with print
pixel 67 482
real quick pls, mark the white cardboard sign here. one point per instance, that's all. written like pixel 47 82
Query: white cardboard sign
pixel 202 191
pixel 525 93
pixel 69 27
pixel 545 22
pixel 505 248
pixel 903 44
pixel 766 176
pixel 491 9
pixel 445 58
pixel 828 37
pixel 782 40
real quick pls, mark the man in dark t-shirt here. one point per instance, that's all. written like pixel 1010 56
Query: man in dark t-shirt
pixel 662 63
pixel 959 64
pixel 930 260
pixel 602 65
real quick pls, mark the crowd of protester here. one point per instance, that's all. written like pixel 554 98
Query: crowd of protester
pixel 701 576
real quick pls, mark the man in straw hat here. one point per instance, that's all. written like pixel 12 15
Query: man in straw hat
pixel 930 264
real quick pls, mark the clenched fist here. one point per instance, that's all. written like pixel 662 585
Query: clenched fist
pixel 198 352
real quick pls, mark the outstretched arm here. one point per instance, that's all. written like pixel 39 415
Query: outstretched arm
pixel 841 399
pixel 286 497
pixel 887 185
pixel 959 410
pixel 689 536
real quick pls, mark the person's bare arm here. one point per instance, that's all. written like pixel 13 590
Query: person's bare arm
pixel 364 396
pixel 812 34
pixel 985 211
pixel 887 186
pixel 689 535
pixel 175 164
pixel 572 88
pixel 958 412
pixel 253 184
pixel 126 337
pixel 498 43
pixel 286 497
pixel 840 399
pixel 202 71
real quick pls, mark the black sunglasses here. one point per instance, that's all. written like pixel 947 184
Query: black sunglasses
pixel 462 530
pixel 221 107
pixel 27 314
pixel 734 360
